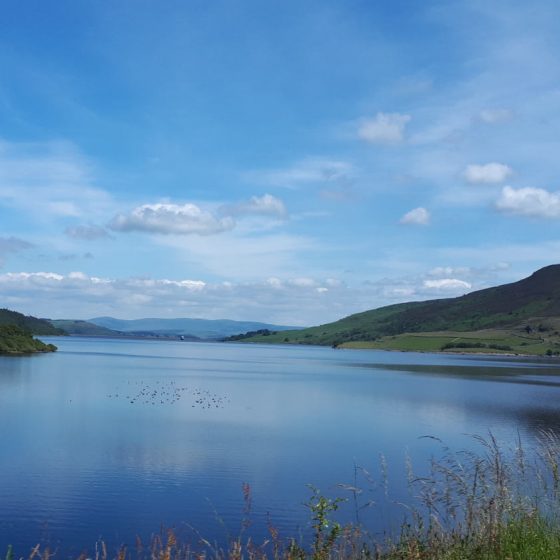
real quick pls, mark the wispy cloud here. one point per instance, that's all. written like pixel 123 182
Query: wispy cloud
pixel 489 173
pixel 496 115
pixel 49 180
pixel 309 171
pixel 384 128
pixel 12 245
pixel 416 217
pixel 245 256
pixel 266 205
pixel 90 232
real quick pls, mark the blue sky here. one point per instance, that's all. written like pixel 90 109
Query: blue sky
pixel 290 162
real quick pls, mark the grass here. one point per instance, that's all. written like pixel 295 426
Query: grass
pixel 544 339
pixel 493 504
pixel 490 341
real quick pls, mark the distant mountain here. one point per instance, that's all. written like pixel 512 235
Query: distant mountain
pixel 529 307
pixel 76 327
pixel 208 329
pixel 29 323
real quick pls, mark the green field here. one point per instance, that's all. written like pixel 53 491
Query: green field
pixel 485 341
pixel 495 341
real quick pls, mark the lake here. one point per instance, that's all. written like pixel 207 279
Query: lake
pixel 109 439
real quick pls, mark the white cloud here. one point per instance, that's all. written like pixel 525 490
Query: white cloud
pixel 495 116
pixel 17 277
pixel 529 201
pixel 447 284
pixel 266 205
pixel 418 217
pixel 487 173
pixel 171 219
pixel 282 301
pixel 384 128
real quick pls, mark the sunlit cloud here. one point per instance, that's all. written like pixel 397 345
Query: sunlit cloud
pixel 185 219
pixel 447 284
pixel 529 201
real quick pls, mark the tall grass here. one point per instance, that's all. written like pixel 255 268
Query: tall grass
pixel 491 504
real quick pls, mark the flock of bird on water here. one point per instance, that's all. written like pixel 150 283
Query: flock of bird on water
pixel 168 392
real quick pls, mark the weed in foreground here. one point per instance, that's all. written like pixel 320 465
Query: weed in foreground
pixel 494 504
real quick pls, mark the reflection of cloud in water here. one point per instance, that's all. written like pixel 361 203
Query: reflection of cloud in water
pixel 439 413
pixel 499 406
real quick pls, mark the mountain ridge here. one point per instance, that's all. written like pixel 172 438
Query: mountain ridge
pixel 28 322
pixel 209 329
pixel 508 308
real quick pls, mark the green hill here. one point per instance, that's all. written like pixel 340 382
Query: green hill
pixel 521 317
pixel 15 340
pixel 29 323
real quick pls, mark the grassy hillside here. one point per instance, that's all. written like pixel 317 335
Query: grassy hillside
pixel 29 323
pixel 522 317
pixel 15 340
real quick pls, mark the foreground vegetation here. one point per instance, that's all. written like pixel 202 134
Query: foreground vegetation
pixel 494 504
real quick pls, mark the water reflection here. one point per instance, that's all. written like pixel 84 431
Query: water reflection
pixel 86 453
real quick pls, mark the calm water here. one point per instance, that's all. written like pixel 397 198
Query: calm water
pixel 110 439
